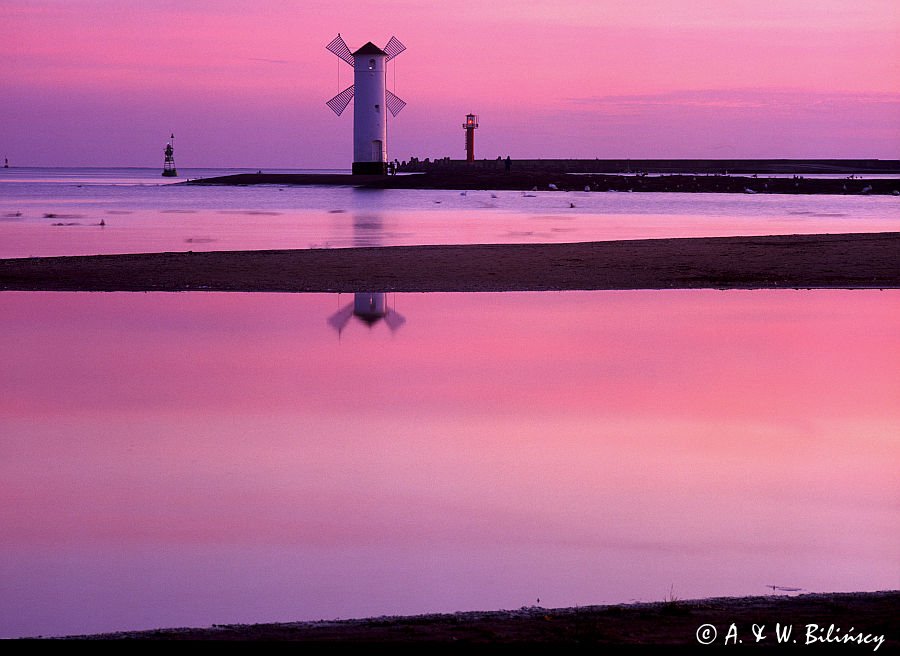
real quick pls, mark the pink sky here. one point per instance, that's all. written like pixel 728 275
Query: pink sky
pixel 244 84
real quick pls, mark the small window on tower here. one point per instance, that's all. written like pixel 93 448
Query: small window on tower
pixel 378 108
pixel 371 64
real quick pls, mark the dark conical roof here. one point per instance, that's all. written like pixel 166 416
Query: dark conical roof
pixel 369 49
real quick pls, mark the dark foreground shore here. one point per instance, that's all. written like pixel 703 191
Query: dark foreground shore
pixel 856 623
pixel 542 180
pixel 861 260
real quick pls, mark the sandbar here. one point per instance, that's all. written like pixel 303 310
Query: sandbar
pixel 837 261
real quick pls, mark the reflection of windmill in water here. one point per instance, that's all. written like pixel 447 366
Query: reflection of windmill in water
pixel 368 307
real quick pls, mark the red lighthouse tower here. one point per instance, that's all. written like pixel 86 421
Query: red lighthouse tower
pixel 469 126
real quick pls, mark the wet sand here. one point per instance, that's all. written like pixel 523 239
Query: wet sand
pixel 864 617
pixel 845 261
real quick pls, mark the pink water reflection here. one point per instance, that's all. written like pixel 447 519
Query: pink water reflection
pixel 138 220
pixel 188 459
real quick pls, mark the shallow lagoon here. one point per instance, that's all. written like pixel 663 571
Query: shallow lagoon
pixel 47 212
pixel 189 459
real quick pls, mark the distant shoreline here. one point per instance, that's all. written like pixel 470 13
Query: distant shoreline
pixel 846 261
pixel 816 620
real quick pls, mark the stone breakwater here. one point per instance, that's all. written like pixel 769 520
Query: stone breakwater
pixel 538 180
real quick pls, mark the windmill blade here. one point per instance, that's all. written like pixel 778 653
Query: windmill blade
pixel 339 103
pixel 340 48
pixel 393 48
pixel 394 320
pixel 394 103
pixel 339 319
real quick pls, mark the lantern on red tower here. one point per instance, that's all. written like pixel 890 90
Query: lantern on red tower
pixel 469 126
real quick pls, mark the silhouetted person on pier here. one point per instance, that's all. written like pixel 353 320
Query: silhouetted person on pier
pixel 508 164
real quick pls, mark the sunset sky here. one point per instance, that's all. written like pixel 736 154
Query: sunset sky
pixel 96 82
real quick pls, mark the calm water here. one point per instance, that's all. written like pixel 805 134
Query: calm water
pixel 189 459
pixel 58 212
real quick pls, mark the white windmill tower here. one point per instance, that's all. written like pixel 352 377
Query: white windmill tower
pixel 370 98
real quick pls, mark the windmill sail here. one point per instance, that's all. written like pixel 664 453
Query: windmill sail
pixel 339 319
pixel 340 48
pixel 394 320
pixel 393 48
pixel 339 103
pixel 394 104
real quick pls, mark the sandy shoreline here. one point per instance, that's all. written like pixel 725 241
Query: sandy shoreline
pixel 865 616
pixel 863 260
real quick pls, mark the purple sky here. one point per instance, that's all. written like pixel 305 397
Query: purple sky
pixel 98 83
